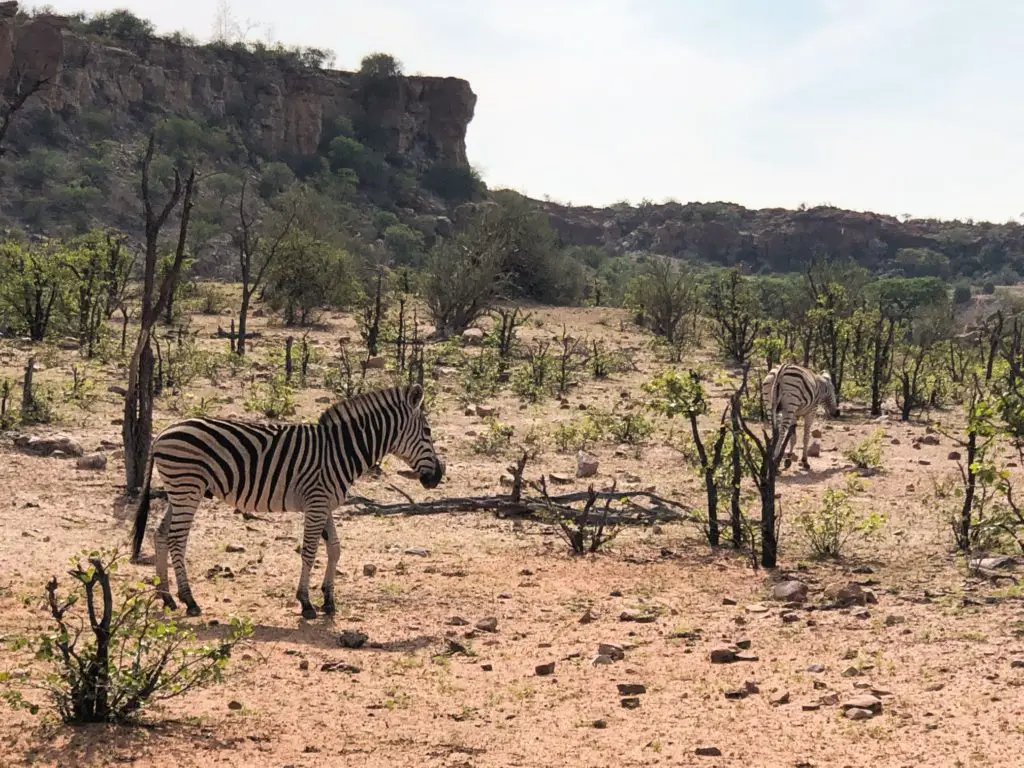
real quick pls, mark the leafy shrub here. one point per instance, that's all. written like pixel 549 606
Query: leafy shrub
pixel 867 454
pixel 120 24
pixel 453 183
pixel 136 655
pixel 496 440
pixel 479 378
pixel 829 527
pixel 405 244
pixel 577 435
pixel 961 294
pixel 273 398
pixel 988 288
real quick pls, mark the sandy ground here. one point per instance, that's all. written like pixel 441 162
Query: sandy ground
pixel 937 649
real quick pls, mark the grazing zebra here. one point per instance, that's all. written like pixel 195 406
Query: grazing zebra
pixel 792 392
pixel 306 468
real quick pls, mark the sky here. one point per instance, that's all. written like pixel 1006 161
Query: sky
pixel 895 106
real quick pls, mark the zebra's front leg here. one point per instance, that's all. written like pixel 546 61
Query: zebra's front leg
pixel 330 536
pixel 808 422
pixel 182 510
pixel 163 587
pixel 312 530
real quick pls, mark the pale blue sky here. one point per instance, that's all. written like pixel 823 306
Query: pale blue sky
pixel 897 106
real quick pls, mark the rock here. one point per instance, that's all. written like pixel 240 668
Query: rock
pixel 864 701
pixel 992 563
pixel 487 624
pixel 443 226
pixel 855 713
pixel 114 389
pixel 472 336
pixel 861 613
pixel 601 660
pixel 743 644
pixel 892 620
pixel 630 702
pixel 486 411
pixel 778 699
pixel 708 752
pixel 811 706
pixel 845 595
pixel 953 456
pixel 789 617
pixel 559 479
pixel 723 656
pixel 369 569
pixel 234 705
pixel 638 616
pixel 96 461
pixel 1017 664
pixel 790 591
pixel 814 450
pixel 352 639
pixel 816 668
pixel 756 608
pixel 588 617
pixel 339 666
pixel 373 364
pixel 486 667
pixel 45 446
pixel 739 693
pixel 613 652
pixel 631 689
pixel 600 724
pixel 851 672
pixel 418 552
pixel 304 665
pixel 543 670
pixel 816 434
pixel 929 439
pixel 586 465
pixel 234 549
pixel 728 601
pixel 829 700
pixel 457 621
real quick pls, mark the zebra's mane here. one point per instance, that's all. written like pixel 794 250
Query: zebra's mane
pixel 362 404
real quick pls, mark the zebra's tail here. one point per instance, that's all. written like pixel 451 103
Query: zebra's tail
pixel 142 514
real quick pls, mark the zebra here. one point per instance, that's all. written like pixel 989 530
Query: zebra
pixel 791 392
pixel 271 468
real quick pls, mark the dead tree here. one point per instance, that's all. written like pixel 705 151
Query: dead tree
pixel 137 429
pixel 373 317
pixel 254 259
pixel 27 400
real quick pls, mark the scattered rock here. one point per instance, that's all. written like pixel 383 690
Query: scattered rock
pixel 586 464
pixel 861 613
pixel 810 706
pixel 756 608
pixel 829 700
pixel 1017 664
pixel 845 595
pixel 114 389
pixel 486 667
pixel 234 549
pixel 456 621
pixel 588 617
pixel 789 617
pixel 339 666
pixel 743 644
pixel 790 591
pixel 601 660
pixel 814 450
pixel 928 439
pixel 46 446
pixel 352 639
pixel 373 364
pixel 235 705
pixel 728 601
pixel 304 665
pixel 486 411
pixel 708 752
pixel 851 672
pixel 723 656
pixel 638 616
pixel 855 713
pixel 816 434
pixel 816 668
pixel 418 552
pixel 631 689
pixel 614 652
pixel 600 724
pixel 953 456
pixel 369 569
pixel 545 669
pixel 631 702
pixel 864 701
pixel 95 461
pixel 992 563
pixel 559 479
pixel 488 624
pixel 892 620
pixel 779 699
pixel 738 693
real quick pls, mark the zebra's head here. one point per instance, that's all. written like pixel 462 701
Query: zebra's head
pixel 828 391
pixel 414 445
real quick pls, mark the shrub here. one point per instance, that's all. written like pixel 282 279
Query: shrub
pixel 577 435
pixel 405 244
pixel 136 654
pixel 496 440
pixel 988 288
pixel 454 183
pixel 961 294
pixel 867 454
pixel 273 398
pixel 829 527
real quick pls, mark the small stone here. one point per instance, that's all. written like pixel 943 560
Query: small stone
pixel 586 464
pixel 304 665
pixel 373 364
pixel 779 699
pixel 600 724
pixel 723 656
pixel 588 617
pixel 235 705
pixel 708 752
pixel 638 617
pixel 953 456
pixel 743 644
pixel 816 434
pixel 369 569
pixel 1017 664
pixel 810 706
pixel 339 666
pixel 630 702
pixel 486 411
pixel 488 624
pixel 863 569
pixel 814 450
pixel 935 687
pixel 728 601
pixel 751 687
pixel 790 591
pixel 829 699
pixel 418 552
pixel 456 621
pixel 844 595
pixel 351 639
pixel 816 668
pixel 486 667
pixel 545 669
pixel 631 689
pixel 861 613
pixel 614 652
pixel 472 336
pixel 789 617
pixel 93 461
pixel 601 660
pixel 756 608
pixel 855 713
pixel 851 672
pixel 234 549
pixel 739 693
pixel 929 439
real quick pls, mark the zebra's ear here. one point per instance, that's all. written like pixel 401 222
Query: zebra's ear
pixel 414 395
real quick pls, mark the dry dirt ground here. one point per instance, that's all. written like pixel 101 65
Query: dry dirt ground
pixel 938 648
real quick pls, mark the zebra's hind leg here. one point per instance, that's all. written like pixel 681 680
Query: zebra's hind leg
pixel 163 589
pixel 808 423
pixel 312 529
pixel 181 511
pixel 330 535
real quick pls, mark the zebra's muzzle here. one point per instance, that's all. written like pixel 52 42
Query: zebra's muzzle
pixel 432 477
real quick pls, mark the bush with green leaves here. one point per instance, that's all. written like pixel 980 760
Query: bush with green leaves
pixel 577 435
pixel 273 398
pixel 867 454
pixel 829 527
pixel 108 656
pixel 480 377
pixel 496 440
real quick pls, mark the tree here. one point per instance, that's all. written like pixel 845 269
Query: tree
pixel 309 273
pixel 36 284
pixel 665 295
pixel 102 265
pixel 733 307
pixel 256 252
pixel 137 428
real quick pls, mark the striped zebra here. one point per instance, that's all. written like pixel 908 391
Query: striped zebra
pixel 271 468
pixel 792 392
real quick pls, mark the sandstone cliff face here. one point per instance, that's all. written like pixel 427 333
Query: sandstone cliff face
pixel 283 107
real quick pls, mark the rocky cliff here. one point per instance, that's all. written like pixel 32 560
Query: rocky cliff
pixel 282 106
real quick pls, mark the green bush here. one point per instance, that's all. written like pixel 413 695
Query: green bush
pixel 453 183
pixel 961 294
pixel 829 527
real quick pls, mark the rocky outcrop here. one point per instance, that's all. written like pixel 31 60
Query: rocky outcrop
pixel 281 106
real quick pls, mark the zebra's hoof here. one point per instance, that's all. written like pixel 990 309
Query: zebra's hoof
pixel 169 603
pixel 329 609
pixel 309 612
pixel 193 610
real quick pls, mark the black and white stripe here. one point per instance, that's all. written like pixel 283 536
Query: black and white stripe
pixel 306 468
pixel 792 392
